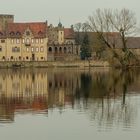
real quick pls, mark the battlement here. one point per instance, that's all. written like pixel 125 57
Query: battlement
pixel 6 16
pixel 4 19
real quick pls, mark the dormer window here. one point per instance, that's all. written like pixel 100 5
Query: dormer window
pixel 40 33
pixel 12 33
pixel 27 33
pixel 1 34
pixel 18 33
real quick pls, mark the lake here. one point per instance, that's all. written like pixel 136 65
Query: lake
pixel 69 104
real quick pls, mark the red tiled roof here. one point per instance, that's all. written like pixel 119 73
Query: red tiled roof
pixel 68 33
pixel 38 29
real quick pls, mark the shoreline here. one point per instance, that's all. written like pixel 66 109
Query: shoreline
pixel 47 64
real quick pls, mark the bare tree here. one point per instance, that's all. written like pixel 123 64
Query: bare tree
pixel 77 29
pixel 108 23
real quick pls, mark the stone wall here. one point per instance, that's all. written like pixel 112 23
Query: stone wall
pixel 78 63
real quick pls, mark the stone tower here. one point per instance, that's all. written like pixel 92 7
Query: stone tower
pixel 4 19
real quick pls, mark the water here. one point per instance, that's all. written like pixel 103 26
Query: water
pixel 69 104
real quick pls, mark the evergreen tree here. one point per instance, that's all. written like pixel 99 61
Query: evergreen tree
pixel 85 47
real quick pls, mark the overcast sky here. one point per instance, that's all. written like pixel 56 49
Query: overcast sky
pixel 69 11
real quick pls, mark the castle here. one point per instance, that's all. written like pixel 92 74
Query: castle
pixel 35 41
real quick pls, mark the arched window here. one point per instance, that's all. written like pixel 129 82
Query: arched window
pixel 40 33
pixel 65 50
pixel 12 33
pixel 18 33
pixel 27 33
pixel 42 58
pixel 69 49
pixel 1 34
pixel 16 49
pixel 50 49
pixel 19 57
pixel 3 58
pixel 56 50
pixel 27 40
pixel 0 48
pixel 60 49
pixel 12 58
pixel 41 49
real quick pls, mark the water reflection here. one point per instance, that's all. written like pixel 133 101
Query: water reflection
pixel 107 97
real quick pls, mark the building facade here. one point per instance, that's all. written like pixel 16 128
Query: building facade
pixel 22 41
pixel 35 41
pixel 61 43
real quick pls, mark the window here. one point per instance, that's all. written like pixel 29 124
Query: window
pixel 55 49
pixel 60 49
pixel 18 49
pixel 12 57
pixel 15 49
pixel 40 33
pixel 12 41
pixel 18 41
pixel 3 57
pixel 50 49
pixel 18 33
pixel 32 49
pixel 0 49
pixel 23 40
pixel 27 33
pixel 1 34
pixel 32 40
pixel 42 58
pixel 69 49
pixel 37 41
pixel 41 49
pixel 27 40
pixel 19 57
pixel 65 50
pixel 27 57
pixel 2 41
pixel 27 49
pixel 37 49
pixel 41 40
pixel 12 33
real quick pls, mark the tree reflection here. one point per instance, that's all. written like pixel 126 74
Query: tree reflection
pixel 103 94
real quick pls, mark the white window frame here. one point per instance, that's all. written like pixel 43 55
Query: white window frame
pixel 37 49
pixel 41 40
pixel 23 40
pixel 41 49
pixel 32 40
pixel 27 40
pixel 27 49
pixel 37 41
pixel 12 41
pixel 18 41
pixel 32 49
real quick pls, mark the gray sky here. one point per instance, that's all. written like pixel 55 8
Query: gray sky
pixel 69 11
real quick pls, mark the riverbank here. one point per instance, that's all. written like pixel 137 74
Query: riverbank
pixel 79 63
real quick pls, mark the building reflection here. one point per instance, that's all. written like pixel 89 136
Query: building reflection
pixel 102 94
pixel 22 90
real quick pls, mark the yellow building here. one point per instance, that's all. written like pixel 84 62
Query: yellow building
pixel 35 41
pixel 56 34
pixel 23 41
pixel 61 43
